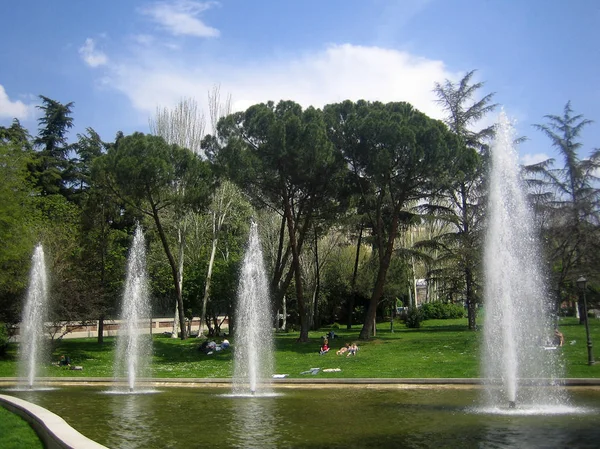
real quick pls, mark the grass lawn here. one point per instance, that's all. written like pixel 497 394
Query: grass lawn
pixel 440 348
pixel 16 433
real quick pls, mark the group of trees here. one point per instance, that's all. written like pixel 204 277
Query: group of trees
pixel 355 201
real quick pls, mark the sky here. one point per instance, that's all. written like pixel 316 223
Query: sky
pixel 120 60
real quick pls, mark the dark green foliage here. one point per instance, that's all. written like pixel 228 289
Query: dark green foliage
pixel 3 339
pixel 19 219
pixel 457 264
pixel 442 311
pixel 51 168
pixel 281 156
pixel 158 180
pixel 16 135
pixel 566 201
pixel 397 157
pixel 414 318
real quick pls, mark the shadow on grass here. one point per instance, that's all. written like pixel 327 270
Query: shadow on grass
pixel 447 328
pixel 166 350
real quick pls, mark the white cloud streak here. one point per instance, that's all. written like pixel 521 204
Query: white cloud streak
pixel 337 73
pixel 530 159
pixel 14 109
pixel 92 56
pixel 181 17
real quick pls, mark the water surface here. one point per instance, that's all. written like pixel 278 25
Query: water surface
pixel 317 418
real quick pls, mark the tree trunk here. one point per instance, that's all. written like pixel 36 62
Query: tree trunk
pixel 469 282
pixel 175 332
pixel 101 330
pixel 281 259
pixel 284 310
pixel 353 283
pixel 207 284
pixel 174 271
pixel 282 287
pixel 471 301
pixel 297 274
pixel 384 264
pixel 180 243
pixel 316 320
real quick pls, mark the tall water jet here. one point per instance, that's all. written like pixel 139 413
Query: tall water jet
pixel 518 354
pixel 253 334
pixel 134 344
pixel 33 319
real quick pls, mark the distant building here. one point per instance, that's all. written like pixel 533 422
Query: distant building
pixel 421 291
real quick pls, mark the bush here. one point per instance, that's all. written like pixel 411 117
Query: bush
pixel 3 339
pixel 335 326
pixel 414 317
pixel 442 311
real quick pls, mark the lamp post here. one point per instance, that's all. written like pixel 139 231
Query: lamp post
pixel 582 283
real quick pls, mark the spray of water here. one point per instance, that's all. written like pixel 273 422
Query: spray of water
pixel 518 329
pixel 134 344
pixel 253 352
pixel 35 312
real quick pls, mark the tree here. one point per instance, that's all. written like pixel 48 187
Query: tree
pixel 459 246
pixel 223 198
pixel 19 219
pixel 397 156
pixel 184 126
pixel 571 202
pixel 52 167
pixel 88 147
pixel 280 155
pixel 105 225
pixel 153 177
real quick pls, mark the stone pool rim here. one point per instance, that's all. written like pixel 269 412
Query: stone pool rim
pixel 311 381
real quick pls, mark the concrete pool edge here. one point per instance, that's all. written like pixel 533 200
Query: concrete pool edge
pixel 311 381
pixel 54 432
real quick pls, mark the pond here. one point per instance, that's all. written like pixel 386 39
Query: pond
pixel 350 417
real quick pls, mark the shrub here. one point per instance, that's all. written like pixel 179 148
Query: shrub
pixel 335 326
pixel 442 311
pixel 414 317
pixel 3 339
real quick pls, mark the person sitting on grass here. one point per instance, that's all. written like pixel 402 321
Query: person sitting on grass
pixel 343 349
pixel 352 349
pixel 559 338
pixel 325 347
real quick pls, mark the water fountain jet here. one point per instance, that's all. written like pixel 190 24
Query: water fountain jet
pixel 253 334
pixel 132 357
pixel 34 316
pixel 517 323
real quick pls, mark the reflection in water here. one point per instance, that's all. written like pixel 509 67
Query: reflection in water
pixel 342 418
pixel 533 433
pixel 253 423
pixel 132 423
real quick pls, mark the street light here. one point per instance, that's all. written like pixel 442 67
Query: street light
pixel 581 283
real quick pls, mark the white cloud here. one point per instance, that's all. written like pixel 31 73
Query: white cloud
pixel 334 74
pixel 13 109
pixel 143 39
pixel 181 17
pixel 530 159
pixel 92 56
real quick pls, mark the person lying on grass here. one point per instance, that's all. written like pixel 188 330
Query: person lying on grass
pixel 343 349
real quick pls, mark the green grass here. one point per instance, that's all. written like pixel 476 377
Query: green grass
pixel 440 348
pixel 16 433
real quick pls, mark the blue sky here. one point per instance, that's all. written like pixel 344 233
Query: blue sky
pixel 119 60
